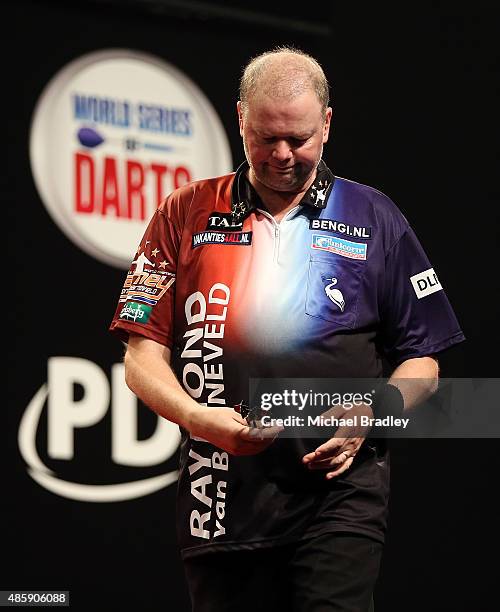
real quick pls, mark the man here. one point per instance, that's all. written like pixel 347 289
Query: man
pixel 281 270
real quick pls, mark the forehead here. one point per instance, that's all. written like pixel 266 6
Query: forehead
pixel 283 115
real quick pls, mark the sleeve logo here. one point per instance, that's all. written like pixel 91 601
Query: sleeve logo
pixel 426 282
pixel 138 313
pixel 145 284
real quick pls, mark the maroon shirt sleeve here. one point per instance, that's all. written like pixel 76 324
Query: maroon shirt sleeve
pixel 146 303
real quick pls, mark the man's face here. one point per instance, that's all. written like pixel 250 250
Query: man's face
pixel 283 140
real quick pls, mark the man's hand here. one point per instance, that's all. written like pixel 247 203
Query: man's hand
pixel 150 377
pixel 337 454
pixel 228 430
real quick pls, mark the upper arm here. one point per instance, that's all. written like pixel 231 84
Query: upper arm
pixel 140 347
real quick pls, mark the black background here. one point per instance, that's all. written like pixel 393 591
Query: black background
pixel 415 98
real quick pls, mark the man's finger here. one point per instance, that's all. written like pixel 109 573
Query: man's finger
pixel 330 447
pixel 332 460
pixel 239 419
pixel 344 467
pixel 252 434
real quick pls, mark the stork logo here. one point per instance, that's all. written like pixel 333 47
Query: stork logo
pixel 68 420
pixel 335 295
pixel 425 283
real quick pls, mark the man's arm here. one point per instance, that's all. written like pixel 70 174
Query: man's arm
pixel 149 375
pixel 417 379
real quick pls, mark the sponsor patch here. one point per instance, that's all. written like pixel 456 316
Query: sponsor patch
pixel 426 282
pixel 138 313
pixel 339 246
pixel 332 225
pixel 147 285
pixel 224 222
pixel 236 238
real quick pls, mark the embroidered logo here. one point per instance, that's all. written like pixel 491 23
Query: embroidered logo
pixel 335 295
pixel 138 313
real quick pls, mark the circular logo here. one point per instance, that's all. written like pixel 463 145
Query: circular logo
pixel 112 134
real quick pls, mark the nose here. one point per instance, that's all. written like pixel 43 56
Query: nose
pixel 282 151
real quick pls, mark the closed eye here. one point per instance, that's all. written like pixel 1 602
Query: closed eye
pixel 294 142
pixel 298 142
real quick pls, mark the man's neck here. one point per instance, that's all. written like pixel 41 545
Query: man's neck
pixel 278 203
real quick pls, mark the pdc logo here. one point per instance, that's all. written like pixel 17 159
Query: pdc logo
pixel 112 134
pixel 78 423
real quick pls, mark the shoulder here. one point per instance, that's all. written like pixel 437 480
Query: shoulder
pixel 198 195
pixel 197 190
pixel 375 206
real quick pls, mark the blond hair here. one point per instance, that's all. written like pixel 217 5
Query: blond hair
pixel 284 72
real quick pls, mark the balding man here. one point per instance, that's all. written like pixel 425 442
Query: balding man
pixel 281 270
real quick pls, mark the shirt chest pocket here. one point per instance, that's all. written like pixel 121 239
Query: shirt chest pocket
pixel 333 289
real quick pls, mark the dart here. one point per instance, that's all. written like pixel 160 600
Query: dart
pixel 90 138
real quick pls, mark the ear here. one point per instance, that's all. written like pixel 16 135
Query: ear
pixel 240 116
pixel 326 126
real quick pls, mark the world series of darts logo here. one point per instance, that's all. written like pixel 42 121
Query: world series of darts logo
pixel 105 152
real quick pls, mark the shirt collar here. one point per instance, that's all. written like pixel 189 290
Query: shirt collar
pixel 244 198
